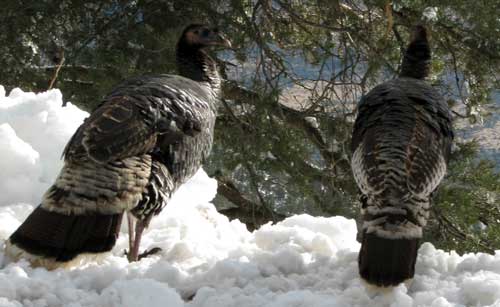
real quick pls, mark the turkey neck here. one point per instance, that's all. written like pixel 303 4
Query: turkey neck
pixel 417 58
pixel 196 64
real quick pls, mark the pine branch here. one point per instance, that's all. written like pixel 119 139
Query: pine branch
pixel 252 214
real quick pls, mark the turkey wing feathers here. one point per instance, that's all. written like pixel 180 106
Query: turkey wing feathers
pixel 131 119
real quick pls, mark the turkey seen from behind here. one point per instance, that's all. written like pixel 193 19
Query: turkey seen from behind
pixel 149 136
pixel 401 144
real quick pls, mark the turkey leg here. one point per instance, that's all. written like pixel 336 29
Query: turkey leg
pixel 135 241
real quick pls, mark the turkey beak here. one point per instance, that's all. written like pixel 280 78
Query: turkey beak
pixel 221 40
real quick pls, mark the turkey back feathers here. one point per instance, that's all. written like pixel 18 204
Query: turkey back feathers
pixel 401 143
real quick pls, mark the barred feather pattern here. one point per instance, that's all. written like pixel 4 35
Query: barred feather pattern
pixel 86 187
pixel 173 164
pixel 160 187
pixel 147 137
pixel 184 141
pixel 171 117
pixel 401 142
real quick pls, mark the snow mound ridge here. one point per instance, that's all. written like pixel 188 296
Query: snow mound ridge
pixel 33 130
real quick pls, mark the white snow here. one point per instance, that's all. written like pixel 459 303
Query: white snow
pixel 430 13
pixel 207 261
pixel 33 131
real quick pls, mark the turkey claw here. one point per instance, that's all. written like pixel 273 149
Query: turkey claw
pixel 147 253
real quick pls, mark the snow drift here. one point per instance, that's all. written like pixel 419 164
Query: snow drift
pixel 207 260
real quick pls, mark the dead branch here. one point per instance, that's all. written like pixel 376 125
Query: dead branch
pixel 58 68
pixel 252 214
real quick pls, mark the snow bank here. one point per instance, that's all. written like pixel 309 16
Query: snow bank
pixel 207 261
pixel 33 130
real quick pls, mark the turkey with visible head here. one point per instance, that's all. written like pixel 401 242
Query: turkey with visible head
pixel 401 144
pixel 148 137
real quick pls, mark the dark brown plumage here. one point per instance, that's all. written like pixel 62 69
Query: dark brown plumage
pixel 401 143
pixel 67 234
pixel 148 136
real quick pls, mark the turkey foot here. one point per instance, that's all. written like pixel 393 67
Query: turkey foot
pixel 147 253
pixel 135 238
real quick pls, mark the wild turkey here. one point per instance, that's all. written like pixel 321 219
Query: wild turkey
pixel 148 137
pixel 401 143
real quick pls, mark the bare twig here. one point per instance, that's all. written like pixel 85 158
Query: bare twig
pixel 58 68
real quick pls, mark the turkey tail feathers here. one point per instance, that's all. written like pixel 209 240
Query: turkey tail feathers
pixel 387 262
pixel 51 237
pixel 417 58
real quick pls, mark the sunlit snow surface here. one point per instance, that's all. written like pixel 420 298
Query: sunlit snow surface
pixel 206 260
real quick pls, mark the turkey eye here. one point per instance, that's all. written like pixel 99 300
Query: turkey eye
pixel 205 33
